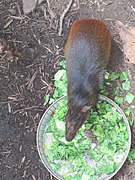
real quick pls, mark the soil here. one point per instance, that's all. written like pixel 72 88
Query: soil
pixel 29 55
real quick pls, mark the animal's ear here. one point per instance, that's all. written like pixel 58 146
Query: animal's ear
pixel 85 108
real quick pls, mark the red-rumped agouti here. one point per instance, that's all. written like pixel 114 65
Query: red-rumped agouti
pixel 87 53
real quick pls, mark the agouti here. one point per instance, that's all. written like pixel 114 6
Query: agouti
pixel 87 53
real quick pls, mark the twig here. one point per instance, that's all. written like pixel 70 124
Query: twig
pixel 9 108
pixel 50 11
pixel 33 177
pixel 12 100
pixel 48 49
pixel 63 15
pixel 8 23
pixel 31 80
pixel 25 109
pixel 132 8
pixel 17 17
pixel 50 88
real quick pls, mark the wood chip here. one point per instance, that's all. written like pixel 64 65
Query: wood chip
pixel 8 23
pixel 23 159
pixel 29 6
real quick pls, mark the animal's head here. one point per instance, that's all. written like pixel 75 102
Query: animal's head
pixel 75 118
pixel 80 100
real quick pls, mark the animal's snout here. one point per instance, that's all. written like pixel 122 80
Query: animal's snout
pixel 70 131
pixel 69 136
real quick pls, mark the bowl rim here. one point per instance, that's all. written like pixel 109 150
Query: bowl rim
pixel 100 98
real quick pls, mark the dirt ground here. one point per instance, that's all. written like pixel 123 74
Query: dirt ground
pixel 32 50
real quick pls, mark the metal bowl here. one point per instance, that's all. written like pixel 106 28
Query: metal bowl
pixel 42 127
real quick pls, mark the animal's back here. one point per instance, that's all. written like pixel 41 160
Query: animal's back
pixel 87 50
pixel 89 32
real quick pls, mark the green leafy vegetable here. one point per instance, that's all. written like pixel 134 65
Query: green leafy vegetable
pixel 118 100
pixel 123 76
pixel 63 64
pixel 129 97
pixel 114 76
pixel 59 75
pixel 116 91
pixel 60 125
pixel 47 98
pixel 126 85
pixel 106 124
pixel 131 156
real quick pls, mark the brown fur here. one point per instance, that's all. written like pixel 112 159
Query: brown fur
pixel 87 53
pixel 92 28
